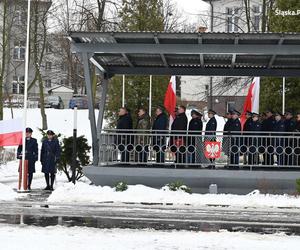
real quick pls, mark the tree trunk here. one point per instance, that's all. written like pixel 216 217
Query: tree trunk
pixel 42 102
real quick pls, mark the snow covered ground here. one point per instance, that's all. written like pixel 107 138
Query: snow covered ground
pixel 61 238
pixel 84 193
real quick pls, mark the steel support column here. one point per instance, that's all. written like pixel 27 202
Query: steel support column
pixel 102 103
pixel 88 83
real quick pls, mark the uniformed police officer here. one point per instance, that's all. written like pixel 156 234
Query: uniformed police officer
pixel 279 127
pixel 50 156
pixel 195 128
pixel 290 126
pixel 210 130
pixel 246 128
pixel 267 127
pixel 235 131
pixel 226 129
pixel 254 140
pixel 31 154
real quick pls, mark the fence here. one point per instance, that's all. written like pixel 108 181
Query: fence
pixel 186 149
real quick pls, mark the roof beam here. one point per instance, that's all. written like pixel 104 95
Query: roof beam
pixel 204 71
pixel 162 56
pixel 236 41
pixel 274 56
pixel 127 60
pixel 255 49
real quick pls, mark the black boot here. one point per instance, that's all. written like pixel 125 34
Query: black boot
pixel 30 175
pixel 47 182
pixel 52 181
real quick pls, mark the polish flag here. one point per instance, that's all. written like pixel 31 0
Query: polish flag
pixel 11 132
pixel 252 99
pixel 170 99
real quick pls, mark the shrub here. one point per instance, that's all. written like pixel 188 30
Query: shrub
pixel 298 185
pixel 179 185
pixel 66 159
pixel 121 186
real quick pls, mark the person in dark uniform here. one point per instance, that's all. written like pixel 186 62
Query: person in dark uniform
pixel 279 129
pixel 159 128
pixel 210 131
pixel 179 126
pixel 195 128
pixel 254 140
pixel 267 128
pixel 297 141
pixel 31 154
pixel 124 126
pixel 235 132
pixel 50 155
pixel 246 128
pixel 290 125
pixel 225 140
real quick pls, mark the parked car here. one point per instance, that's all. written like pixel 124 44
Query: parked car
pixel 80 101
pixel 54 101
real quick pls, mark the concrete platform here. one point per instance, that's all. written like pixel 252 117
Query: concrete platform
pixel 228 181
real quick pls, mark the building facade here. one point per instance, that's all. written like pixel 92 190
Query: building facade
pixel 52 66
pixel 224 93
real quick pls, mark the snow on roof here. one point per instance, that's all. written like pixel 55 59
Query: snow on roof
pixel 61 89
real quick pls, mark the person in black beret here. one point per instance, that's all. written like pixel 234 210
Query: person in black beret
pixel 195 128
pixel 50 156
pixel 31 154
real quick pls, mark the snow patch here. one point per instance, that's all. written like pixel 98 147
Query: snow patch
pixel 7 193
pixel 84 193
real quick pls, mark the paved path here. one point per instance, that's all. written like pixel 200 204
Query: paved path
pixel 35 210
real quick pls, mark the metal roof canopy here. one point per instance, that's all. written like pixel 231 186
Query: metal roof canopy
pixel 214 54
pixel 155 53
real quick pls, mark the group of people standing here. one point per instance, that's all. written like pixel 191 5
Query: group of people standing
pixel 159 140
pixel 49 157
pixel 261 134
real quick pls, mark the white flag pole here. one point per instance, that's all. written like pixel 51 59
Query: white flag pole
pixel 25 96
pixel 283 95
pixel 150 96
pixel 123 92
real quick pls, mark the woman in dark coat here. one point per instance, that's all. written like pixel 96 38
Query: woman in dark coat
pixel 31 154
pixel 50 155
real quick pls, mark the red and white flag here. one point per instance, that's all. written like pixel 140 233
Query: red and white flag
pixel 252 99
pixel 11 132
pixel 170 99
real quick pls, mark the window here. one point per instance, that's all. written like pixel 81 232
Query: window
pixel 256 17
pixel 230 106
pixel 18 84
pixel 19 51
pixel 232 19
pixel 48 83
pixel 20 18
pixel 48 65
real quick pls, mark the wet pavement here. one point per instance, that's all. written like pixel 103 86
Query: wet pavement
pixel 33 209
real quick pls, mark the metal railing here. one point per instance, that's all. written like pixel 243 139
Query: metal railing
pixel 189 149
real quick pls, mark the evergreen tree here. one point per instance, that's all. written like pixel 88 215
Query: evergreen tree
pixel 271 88
pixel 137 15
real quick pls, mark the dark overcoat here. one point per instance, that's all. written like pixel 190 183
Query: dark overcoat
pixel 50 155
pixel 31 153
